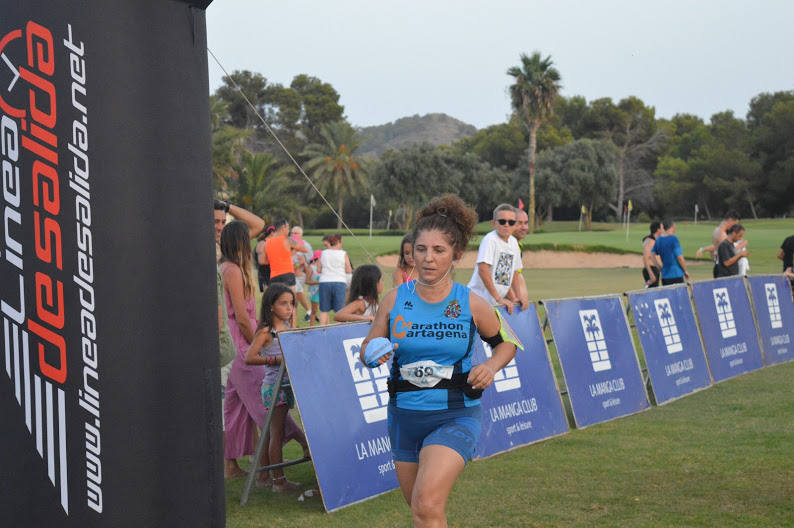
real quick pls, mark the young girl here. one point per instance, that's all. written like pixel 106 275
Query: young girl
pixel 313 288
pixel 405 270
pixel 362 300
pixel 278 306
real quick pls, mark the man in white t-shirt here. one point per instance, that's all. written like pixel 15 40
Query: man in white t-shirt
pixel 498 260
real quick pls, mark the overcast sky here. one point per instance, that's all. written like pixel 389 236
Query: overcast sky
pixel 394 59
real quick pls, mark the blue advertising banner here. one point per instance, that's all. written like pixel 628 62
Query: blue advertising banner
pixel 774 311
pixel 523 404
pixel 670 340
pixel 597 357
pixel 343 408
pixel 728 328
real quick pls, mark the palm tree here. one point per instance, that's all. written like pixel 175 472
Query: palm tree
pixel 268 187
pixel 227 145
pixel 335 168
pixel 537 84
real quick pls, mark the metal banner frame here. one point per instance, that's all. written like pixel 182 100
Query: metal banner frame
pixel 518 396
pixel 597 388
pixel 727 324
pixel 774 316
pixel 342 404
pixel 670 340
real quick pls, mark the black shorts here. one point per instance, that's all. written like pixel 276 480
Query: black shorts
pixel 264 277
pixel 676 280
pixel 284 278
pixel 656 271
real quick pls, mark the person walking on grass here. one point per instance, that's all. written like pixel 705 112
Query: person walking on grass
pixel 651 270
pixel 727 255
pixel 498 260
pixel 717 236
pixel 333 267
pixel 668 248
pixel 786 252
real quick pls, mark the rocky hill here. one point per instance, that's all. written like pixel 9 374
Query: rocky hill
pixel 436 129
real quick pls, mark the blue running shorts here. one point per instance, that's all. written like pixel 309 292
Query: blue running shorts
pixel 410 431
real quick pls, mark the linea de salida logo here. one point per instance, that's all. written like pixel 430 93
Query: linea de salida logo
pixel 29 114
pixel 596 342
pixel 664 312
pixel 722 301
pixel 35 161
pixel 370 384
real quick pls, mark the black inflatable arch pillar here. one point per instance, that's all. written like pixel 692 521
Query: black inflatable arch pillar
pixel 109 383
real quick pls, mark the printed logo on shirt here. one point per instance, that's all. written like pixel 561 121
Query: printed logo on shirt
pixel 596 343
pixel 453 309
pixel 507 378
pixel 408 305
pixel 503 271
pixel 370 384
pixel 664 312
pixel 400 327
pixel 722 301
pixel 773 305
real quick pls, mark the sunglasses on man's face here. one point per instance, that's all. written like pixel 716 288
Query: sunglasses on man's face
pixel 503 221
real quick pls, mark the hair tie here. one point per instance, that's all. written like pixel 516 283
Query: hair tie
pixel 442 212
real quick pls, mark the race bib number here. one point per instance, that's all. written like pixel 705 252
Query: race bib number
pixel 425 373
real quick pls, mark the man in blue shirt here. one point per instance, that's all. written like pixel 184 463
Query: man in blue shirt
pixel 669 250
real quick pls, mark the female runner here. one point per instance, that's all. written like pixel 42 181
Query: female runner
pixel 434 407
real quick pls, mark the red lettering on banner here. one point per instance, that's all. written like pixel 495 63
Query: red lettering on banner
pixel 45 301
pixel 58 373
pixel 46 240
pixel 42 151
pixel 44 135
pixel 45 117
pixel 50 192
pixel 44 50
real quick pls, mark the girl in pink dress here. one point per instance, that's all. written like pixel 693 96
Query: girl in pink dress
pixel 242 406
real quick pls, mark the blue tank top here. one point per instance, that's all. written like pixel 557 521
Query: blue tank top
pixel 442 332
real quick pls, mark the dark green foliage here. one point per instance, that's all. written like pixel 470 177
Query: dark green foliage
pixel 406 179
pixel 665 166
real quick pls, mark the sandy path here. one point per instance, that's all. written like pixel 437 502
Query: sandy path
pixel 550 259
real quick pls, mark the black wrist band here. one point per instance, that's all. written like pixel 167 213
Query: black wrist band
pixel 228 205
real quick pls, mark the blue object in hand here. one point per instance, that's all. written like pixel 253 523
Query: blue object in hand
pixel 376 349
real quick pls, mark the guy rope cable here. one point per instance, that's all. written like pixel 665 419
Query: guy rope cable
pixel 287 152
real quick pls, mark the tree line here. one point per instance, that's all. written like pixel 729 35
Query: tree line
pixel 564 155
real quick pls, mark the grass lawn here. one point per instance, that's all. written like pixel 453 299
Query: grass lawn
pixel 721 457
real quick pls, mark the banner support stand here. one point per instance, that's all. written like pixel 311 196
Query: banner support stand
pixel 264 436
